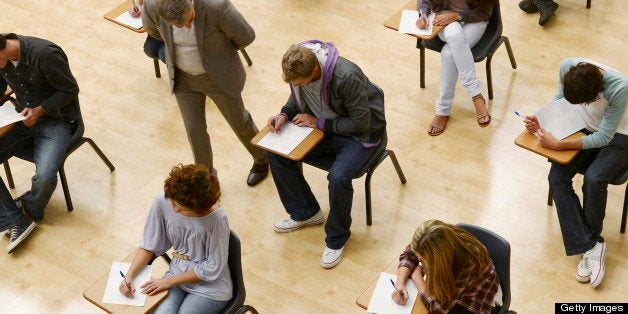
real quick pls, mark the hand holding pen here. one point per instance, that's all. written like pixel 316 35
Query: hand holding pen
pixel 400 296
pixel 531 123
pixel 422 22
pixel 275 122
pixel 126 288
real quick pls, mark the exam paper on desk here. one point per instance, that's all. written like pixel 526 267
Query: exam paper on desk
pixel 560 118
pixel 407 24
pixel 8 114
pixel 126 19
pixel 382 302
pixel 112 293
pixel 287 139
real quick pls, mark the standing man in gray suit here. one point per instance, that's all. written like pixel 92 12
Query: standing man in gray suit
pixel 202 39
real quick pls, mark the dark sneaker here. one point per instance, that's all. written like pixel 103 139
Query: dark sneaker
pixel 547 11
pixel 18 234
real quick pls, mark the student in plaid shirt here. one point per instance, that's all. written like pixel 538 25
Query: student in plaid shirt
pixel 460 277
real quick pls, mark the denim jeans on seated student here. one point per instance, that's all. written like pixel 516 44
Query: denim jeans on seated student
pixel 154 48
pixel 47 145
pixel 179 301
pixel 581 225
pixel 343 156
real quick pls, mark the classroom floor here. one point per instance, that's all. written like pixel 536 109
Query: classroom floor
pixel 467 174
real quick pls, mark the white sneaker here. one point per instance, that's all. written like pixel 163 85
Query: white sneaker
pixel 289 225
pixel 331 257
pixel 3 233
pixel 595 262
pixel 583 274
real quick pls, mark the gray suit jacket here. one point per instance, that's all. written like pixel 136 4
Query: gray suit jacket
pixel 221 31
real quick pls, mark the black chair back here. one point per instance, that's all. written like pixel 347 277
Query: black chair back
pixel 235 267
pixel 499 250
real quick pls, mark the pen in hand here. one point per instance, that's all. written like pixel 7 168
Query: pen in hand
pixel 523 117
pixel 126 283
pixel 400 292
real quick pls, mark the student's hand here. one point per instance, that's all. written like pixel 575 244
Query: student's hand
pixel 135 10
pixel 304 119
pixel 275 123
pixel 153 286
pixel 532 123
pixel 422 22
pixel 400 295
pixel 124 288
pixel 444 19
pixel 547 140
pixel 32 114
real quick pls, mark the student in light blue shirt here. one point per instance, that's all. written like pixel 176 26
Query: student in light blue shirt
pixel 188 218
pixel 599 94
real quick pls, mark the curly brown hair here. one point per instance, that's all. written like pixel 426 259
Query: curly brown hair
pixel 192 186
pixel 582 83
pixel 298 62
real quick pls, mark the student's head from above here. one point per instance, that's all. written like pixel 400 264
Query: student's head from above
pixel 192 190
pixel 583 83
pixel 300 66
pixel 6 52
pixel 446 252
pixel 179 13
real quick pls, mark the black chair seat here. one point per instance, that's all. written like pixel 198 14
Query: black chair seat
pixel 77 139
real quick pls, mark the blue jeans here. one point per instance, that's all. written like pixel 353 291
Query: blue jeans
pixel 179 301
pixel 154 48
pixel 46 147
pixel 581 225
pixel 343 157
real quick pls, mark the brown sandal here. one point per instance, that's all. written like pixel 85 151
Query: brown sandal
pixel 435 130
pixel 483 116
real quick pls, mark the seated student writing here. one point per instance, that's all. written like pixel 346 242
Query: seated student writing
pixel 188 218
pixel 153 47
pixel 600 95
pixel 460 277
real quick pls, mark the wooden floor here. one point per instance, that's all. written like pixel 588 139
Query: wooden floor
pixel 468 174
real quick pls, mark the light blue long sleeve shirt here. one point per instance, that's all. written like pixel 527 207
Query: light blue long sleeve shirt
pixel 615 99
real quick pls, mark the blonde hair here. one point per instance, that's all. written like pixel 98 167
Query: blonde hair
pixel 298 62
pixel 447 251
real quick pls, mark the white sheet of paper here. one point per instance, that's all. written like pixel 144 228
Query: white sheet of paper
pixel 560 118
pixel 287 139
pixel 126 19
pixel 381 302
pixel 8 114
pixel 113 295
pixel 407 25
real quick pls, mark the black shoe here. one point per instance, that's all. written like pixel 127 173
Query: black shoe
pixel 18 234
pixel 546 12
pixel 528 6
pixel 258 173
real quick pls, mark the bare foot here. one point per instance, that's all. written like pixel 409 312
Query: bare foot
pixel 438 125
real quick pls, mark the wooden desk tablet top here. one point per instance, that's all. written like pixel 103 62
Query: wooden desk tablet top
pixel 393 21
pixel 115 12
pixel 96 291
pixel 530 142
pixel 300 151
pixel 365 298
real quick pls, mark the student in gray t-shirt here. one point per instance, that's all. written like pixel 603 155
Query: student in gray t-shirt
pixel 188 218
